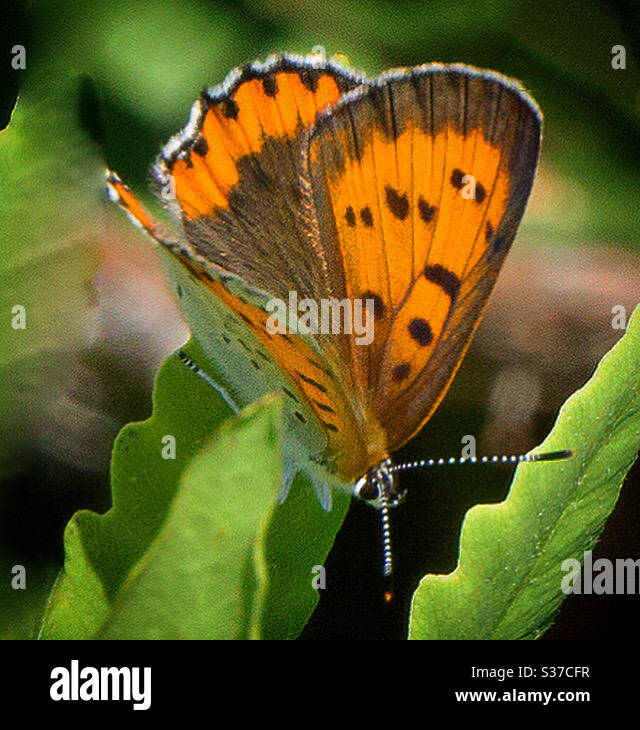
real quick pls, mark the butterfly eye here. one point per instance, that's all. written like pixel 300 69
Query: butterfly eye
pixel 367 489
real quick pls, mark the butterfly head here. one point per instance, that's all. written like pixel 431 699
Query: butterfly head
pixel 378 487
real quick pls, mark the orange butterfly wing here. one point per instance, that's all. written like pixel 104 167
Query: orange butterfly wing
pixel 232 177
pixel 233 173
pixel 422 178
pixel 235 320
pixel 370 202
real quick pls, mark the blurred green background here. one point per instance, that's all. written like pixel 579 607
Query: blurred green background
pixel 130 72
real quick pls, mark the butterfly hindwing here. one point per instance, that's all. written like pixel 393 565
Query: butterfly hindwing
pixel 422 177
pixel 228 321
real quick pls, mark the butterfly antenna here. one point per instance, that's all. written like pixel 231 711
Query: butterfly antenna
pixel 514 459
pixel 195 368
pixel 387 557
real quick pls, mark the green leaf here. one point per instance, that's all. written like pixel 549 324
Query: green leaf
pixel 189 583
pixel 48 253
pixel 507 584
pixel 167 560
pixel 194 547
pixel 298 539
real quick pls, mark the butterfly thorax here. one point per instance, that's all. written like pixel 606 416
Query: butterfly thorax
pixel 378 487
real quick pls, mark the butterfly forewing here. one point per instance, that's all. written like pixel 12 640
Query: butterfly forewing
pixel 234 177
pixel 420 181
pixel 233 173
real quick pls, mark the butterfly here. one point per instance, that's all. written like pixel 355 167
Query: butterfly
pixel 301 175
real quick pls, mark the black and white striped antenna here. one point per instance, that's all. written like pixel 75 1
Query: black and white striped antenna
pixel 387 557
pixel 513 459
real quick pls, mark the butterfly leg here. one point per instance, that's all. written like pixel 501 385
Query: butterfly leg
pixel 311 471
pixel 288 473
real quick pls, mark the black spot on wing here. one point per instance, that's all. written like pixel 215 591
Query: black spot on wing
pixel 367 217
pixel 310 381
pixel 316 365
pixel 230 109
pixel 426 211
pixel 350 217
pixel 200 146
pixel 378 304
pixel 488 232
pixel 401 372
pixel 290 394
pixel 456 178
pixel 323 406
pixel 444 278
pixel 309 78
pixel 247 320
pixel 270 86
pixel 420 331
pixel 329 426
pixel 397 203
